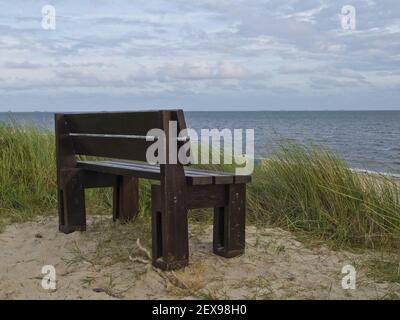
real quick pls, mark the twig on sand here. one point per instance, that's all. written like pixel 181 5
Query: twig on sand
pixel 140 260
pixel 143 249
pixel 170 277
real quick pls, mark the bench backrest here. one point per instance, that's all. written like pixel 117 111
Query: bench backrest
pixel 120 135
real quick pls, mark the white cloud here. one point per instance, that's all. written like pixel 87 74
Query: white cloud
pixel 307 15
pixel 277 50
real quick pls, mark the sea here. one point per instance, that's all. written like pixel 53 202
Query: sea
pixel 367 140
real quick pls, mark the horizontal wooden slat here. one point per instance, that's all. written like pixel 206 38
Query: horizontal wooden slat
pixel 111 147
pixel 219 177
pixel 118 123
pixel 242 179
pixel 101 166
pixel 197 179
pixel 193 177
pixel 225 177
pixel 92 179
pixel 205 196
pixel 148 171
pixel 197 197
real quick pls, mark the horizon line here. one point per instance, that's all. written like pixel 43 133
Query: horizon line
pixel 196 110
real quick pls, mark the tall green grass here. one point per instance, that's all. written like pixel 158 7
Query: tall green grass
pixel 27 172
pixel 312 189
pixel 304 188
pixel 28 175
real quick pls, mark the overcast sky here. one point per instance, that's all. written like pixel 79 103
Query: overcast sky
pixel 199 55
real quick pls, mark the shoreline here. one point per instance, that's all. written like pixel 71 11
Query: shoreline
pixel 377 173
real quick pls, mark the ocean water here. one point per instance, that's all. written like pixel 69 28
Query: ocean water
pixel 368 140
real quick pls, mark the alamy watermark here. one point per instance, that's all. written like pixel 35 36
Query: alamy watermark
pixel 348 18
pixel 49 278
pixel 236 150
pixel 349 280
pixel 49 17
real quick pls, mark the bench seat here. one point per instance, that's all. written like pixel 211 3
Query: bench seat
pixel 148 171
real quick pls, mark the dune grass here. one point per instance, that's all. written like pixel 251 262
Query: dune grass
pixel 301 188
pixel 27 172
pixel 384 268
pixel 28 175
pixel 312 189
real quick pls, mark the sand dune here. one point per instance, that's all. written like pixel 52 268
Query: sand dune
pixel 275 266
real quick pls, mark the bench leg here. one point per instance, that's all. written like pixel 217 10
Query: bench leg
pixel 126 198
pixel 71 201
pixel 170 244
pixel 229 223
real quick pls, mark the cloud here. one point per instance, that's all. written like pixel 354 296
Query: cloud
pixel 204 71
pixel 21 65
pixel 329 83
pixel 260 52
pixel 307 15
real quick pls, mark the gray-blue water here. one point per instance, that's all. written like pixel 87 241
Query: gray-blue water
pixel 366 139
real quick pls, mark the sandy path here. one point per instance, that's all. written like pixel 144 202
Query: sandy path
pixel 275 266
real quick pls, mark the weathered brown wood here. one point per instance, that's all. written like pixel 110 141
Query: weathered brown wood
pixel 93 179
pixel 120 169
pixel 242 179
pixel 220 177
pixel 148 171
pixel 65 159
pixel 72 201
pixel 223 179
pixel 229 223
pixel 170 216
pixel 181 120
pixel 156 226
pixel 193 179
pixel 169 221
pixel 111 147
pixel 126 198
pixel 117 123
pixel 173 213
pixel 205 196
pixel 65 155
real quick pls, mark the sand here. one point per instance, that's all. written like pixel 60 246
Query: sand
pixel 275 266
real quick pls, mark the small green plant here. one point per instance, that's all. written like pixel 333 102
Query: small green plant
pixel 385 268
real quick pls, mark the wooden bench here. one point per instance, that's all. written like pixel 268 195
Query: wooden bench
pixel 120 137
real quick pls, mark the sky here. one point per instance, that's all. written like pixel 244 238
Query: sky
pixel 200 55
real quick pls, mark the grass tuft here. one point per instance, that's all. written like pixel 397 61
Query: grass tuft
pixel 312 189
pixel 27 172
pixel 384 268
